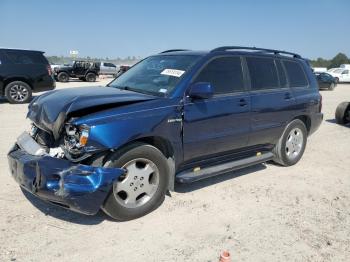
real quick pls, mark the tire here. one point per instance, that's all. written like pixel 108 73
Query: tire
pixel 291 146
pixel 331 87
pixel 336 80
pixel 120 204
pixel 63 77
pixel 18 92
pixel 342 113
pixel 90 77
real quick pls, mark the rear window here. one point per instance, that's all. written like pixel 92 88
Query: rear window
pixel 295 73
pixel 263 73
pixel 26 57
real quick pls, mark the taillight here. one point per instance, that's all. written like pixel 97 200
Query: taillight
pixel 320 103
pixel 49 70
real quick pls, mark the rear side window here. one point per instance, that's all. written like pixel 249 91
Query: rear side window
pixel 26 57
pixel 281 74
pixel 224 74
pixel 109 64
pixel 295 73
pixel 263 73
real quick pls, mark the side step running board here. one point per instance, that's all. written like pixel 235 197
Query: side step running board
pixel 189 176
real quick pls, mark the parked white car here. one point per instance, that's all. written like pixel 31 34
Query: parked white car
pixel 332 69
pixel 341 75
pixel 319 69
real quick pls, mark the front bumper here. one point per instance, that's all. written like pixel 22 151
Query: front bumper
pixel 80 188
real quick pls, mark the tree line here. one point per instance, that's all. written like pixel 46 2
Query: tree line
pixel 60 60
pixel 336 61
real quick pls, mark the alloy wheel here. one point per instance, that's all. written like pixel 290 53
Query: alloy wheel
pixel 138 185
pixel 19 93
pixel 294 143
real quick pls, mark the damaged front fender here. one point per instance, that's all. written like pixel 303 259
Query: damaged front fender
pixel 78 187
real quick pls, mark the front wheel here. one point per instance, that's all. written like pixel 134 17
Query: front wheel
pixel 142 189
pixel 290 147
pixel 332 86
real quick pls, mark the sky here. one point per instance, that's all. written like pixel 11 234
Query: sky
pixel 106 28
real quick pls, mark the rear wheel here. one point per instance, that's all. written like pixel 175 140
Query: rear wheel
pixel 290 147
pixel 143 187
pixel 90 77
pixel 18 92
pixel 63 77
pixel 342 113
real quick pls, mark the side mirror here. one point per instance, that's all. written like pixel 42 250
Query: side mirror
pixel 201 90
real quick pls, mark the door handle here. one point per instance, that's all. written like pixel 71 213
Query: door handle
pixel 287 96
pixel 242 102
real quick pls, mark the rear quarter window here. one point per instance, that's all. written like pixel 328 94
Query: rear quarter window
pixel 296 74
pixel 263 73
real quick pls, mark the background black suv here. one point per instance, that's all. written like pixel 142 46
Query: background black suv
pixel 23 72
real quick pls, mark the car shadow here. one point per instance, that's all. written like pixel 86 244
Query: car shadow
pixel 333 121
pixel 185 188
pixel 64 214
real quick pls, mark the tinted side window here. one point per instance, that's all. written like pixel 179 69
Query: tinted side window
pixel 281 74
pixel 263 73
pixel 295 73
pixel 225 75
pixel 25 57
pixel 109 64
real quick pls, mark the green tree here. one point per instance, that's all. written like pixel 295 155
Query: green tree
pixel 339 59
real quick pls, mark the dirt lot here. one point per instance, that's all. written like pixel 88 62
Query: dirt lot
pixel 262 213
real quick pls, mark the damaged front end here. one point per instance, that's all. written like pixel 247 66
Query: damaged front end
pixel 81 188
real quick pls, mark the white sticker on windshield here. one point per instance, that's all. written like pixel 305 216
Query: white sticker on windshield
pixel 172 72
pixel 163 90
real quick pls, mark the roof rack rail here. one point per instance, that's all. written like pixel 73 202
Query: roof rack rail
pixel 173 50
pixel 276 52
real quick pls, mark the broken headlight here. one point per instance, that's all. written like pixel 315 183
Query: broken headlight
pixel 76 138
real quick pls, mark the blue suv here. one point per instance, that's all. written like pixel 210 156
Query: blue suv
pixel 178 116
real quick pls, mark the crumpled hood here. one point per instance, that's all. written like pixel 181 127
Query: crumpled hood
pixel 50 110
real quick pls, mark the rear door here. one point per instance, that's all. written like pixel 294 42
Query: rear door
pixel 271 99
pixel 221 123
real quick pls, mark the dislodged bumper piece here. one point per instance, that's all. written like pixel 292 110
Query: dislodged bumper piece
pixel 78 187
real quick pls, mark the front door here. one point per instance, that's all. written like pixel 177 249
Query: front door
pixel 221 123
pixel 345 76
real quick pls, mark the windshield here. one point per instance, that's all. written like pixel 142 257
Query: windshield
pixel 338 70
pixel 157 75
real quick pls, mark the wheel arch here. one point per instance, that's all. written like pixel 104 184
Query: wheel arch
pixel 13 79
pixel 164 146
pixel 306 120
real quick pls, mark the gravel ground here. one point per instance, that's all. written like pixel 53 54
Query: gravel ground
pixel 262 213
